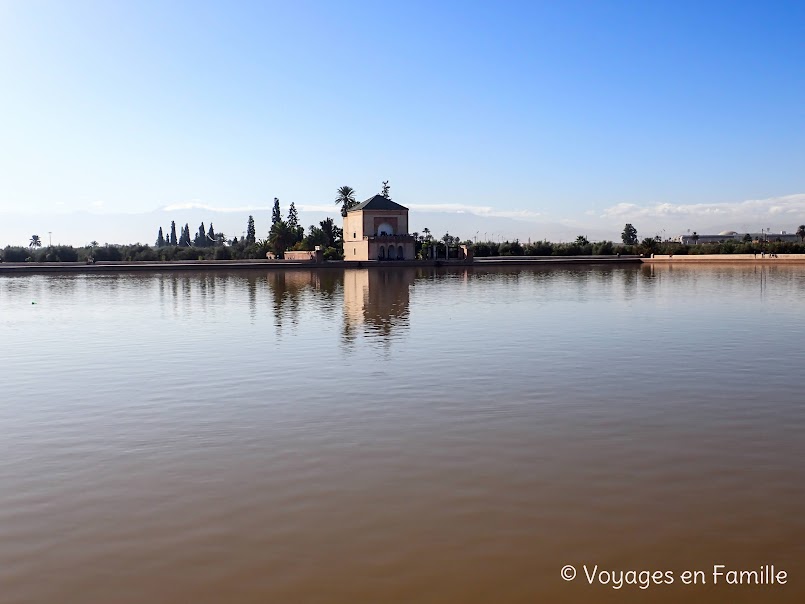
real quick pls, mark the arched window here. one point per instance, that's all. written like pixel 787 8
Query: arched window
pixel 385 229
pixel 381 254
pixel 391 252
pixel 400 253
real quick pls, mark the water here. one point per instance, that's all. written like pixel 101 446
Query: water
pixel 400 435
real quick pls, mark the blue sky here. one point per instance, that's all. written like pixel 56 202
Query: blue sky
pixel 587 114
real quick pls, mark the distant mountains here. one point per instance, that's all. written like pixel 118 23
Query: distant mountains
pixel 79 228
pixel 665 220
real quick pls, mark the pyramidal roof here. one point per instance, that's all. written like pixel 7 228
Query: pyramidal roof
pixel 378 202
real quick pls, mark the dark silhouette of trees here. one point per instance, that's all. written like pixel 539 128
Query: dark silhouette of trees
pixel 582 240
pixel 184 239
pixel 251 235
pixel 276 214
pixel 200 240
pixel 35 241
pixel 160 239
pixel 173 240
pixel 801 233
pixel 332 233
pixel 629 235
pixel 281 237
pixel 293 224
pixel 293 216
pixel 385 191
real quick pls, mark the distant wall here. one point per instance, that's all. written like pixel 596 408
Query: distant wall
pixel 304 255
pixel 694 258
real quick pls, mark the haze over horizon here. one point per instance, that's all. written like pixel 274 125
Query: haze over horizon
pixel 523 120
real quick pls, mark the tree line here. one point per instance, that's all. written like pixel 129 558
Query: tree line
pixel 287 234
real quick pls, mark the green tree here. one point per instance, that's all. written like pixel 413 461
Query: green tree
pixel 345 197
pixel 211 236
pixel 801 233
pixel 281 237
pixel 293 224
pixel 276 214
pixel 649 244
pixel 200 239
pixel 35 241
pixel 695 237
pixel 332 233
pixel 385 192
pixel 629 235
pixel 747 238
pixel 160 239
pixel 251 235
pixel 293 216
pixel 184 239
pixel 173 240
pixel 582 240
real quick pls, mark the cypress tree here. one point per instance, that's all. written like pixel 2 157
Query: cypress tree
pixel 293 216
pixel 173 233
pixel 276 215
pixel 211 235
pixel 251 234
pixel 160 239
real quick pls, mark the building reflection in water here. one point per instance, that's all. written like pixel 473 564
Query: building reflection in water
pixel 376 302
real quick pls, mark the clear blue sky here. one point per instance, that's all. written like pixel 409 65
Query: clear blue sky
pixel 565 109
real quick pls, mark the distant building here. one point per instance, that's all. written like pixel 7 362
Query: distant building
pixel 377 229
pixel 723 236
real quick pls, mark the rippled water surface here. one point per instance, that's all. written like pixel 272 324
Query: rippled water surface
pixel 400 435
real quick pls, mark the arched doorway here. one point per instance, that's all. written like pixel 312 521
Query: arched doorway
pixel 400 253
pixel 391 252
pixel 381 254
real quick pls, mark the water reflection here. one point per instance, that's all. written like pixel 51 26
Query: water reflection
pixel 376 301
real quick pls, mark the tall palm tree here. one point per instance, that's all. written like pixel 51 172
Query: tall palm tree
pixel 801 232
pixel 345 197
pixel 35 241
pixel 426 232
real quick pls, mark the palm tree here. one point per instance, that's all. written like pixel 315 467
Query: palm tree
pixel 281 237
pixel 345 197
pixel 582 240
pixel 93 243
pixel 801 232
pixel 35 241
pixel 426 231
pixel 695 237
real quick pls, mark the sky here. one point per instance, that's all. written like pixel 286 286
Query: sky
pixel 566 115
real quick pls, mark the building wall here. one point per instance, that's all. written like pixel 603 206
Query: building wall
pixel 407 247
pixel 356 250
pixel 365 223
pixel 373 218
pixel 309 256
pixel 353 226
